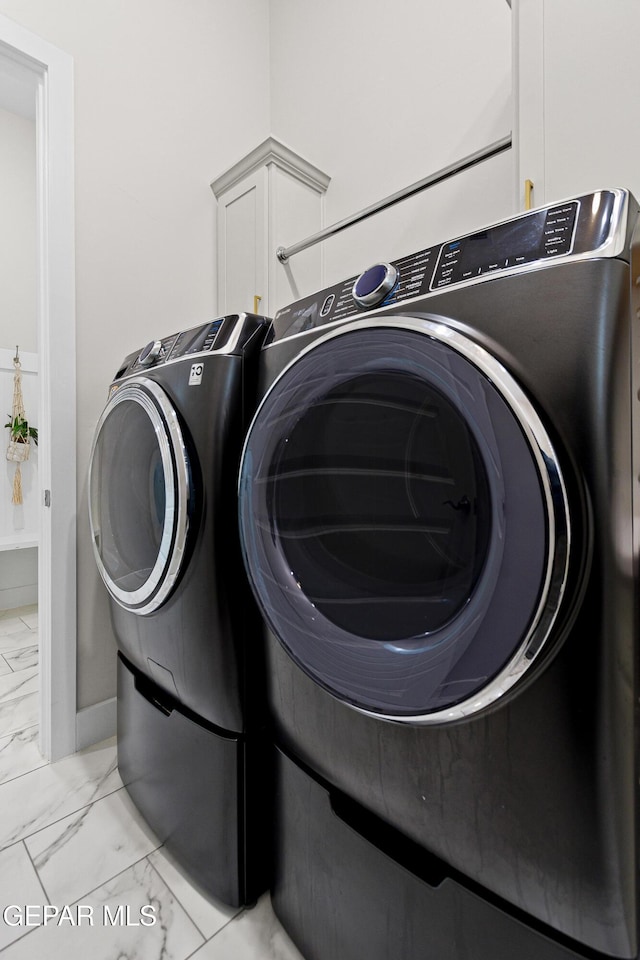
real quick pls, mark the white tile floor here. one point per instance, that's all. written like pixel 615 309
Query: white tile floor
pixel 73 847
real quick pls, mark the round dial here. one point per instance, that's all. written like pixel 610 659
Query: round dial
pixel 150 353
pixel 374 284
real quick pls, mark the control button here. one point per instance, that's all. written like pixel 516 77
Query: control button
pixel 150 353
pixel 374 284
pixel 328 303
pixel 492 267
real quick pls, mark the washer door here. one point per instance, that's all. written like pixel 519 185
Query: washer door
pixel 139 495
pixel 404 520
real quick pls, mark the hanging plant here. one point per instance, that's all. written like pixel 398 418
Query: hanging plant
pixel 20 433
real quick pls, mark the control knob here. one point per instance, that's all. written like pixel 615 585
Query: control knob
pixel 374 284
pixel 150 353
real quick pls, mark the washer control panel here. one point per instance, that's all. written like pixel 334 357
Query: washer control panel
pixel 229 334
pixel 577 226
pixel 196 340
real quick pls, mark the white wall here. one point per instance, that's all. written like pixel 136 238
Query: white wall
pixel 167 94
pixel 18 578
pixel 17 232
pixel 380 96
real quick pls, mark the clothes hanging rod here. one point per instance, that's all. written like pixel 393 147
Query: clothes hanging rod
pixel 499 146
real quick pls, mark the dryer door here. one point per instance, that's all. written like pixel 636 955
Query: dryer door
pixel 139 494
pixel 404 520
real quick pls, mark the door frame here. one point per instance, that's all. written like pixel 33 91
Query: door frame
pixel 51 70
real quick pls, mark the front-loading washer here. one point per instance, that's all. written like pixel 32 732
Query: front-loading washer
pixel 162 504
pixel 438 499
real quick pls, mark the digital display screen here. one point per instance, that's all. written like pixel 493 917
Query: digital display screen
pixel 196 340
pixel 495 246
pixel 540 235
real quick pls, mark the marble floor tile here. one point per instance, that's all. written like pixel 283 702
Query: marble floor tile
pixel 4 667
pixel 31 620
pixel 19 884
pixel 19 638
pixel 22 658
pixel 41 797
pixel 20 753
pixel 19 713
pixel 19 684
pixel 209 915
pixel 10 625
pixel 135 895
pixel 82 851
pixel 256 934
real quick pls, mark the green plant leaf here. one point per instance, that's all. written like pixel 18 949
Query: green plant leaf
pixel 21 432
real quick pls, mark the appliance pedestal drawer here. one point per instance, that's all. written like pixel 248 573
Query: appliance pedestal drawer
pixel 186 779
pixel 347 885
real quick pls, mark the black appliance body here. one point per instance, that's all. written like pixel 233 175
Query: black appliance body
pixel 438 512
pixel 162 492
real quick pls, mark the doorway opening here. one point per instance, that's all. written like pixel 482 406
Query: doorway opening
pixel 36 82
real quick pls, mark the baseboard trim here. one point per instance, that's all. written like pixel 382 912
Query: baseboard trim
pixel 14 597
pixel 96 723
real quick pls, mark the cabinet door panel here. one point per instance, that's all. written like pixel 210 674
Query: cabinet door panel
pixel 242 254
pixel 577 77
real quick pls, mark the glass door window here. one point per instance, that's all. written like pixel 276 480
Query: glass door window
pixel 139 491
pixel 403 520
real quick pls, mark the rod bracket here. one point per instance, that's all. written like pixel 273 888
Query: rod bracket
pixel 281 254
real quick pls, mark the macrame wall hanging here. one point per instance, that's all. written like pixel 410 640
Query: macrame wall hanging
pixel 20 433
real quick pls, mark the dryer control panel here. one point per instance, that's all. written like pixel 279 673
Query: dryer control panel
pixel 594 223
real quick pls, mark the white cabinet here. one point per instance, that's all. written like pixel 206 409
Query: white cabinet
pixel 270 198
pixel 578 95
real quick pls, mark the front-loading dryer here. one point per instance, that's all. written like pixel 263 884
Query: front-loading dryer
pixel 162 503
pixel 437 500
